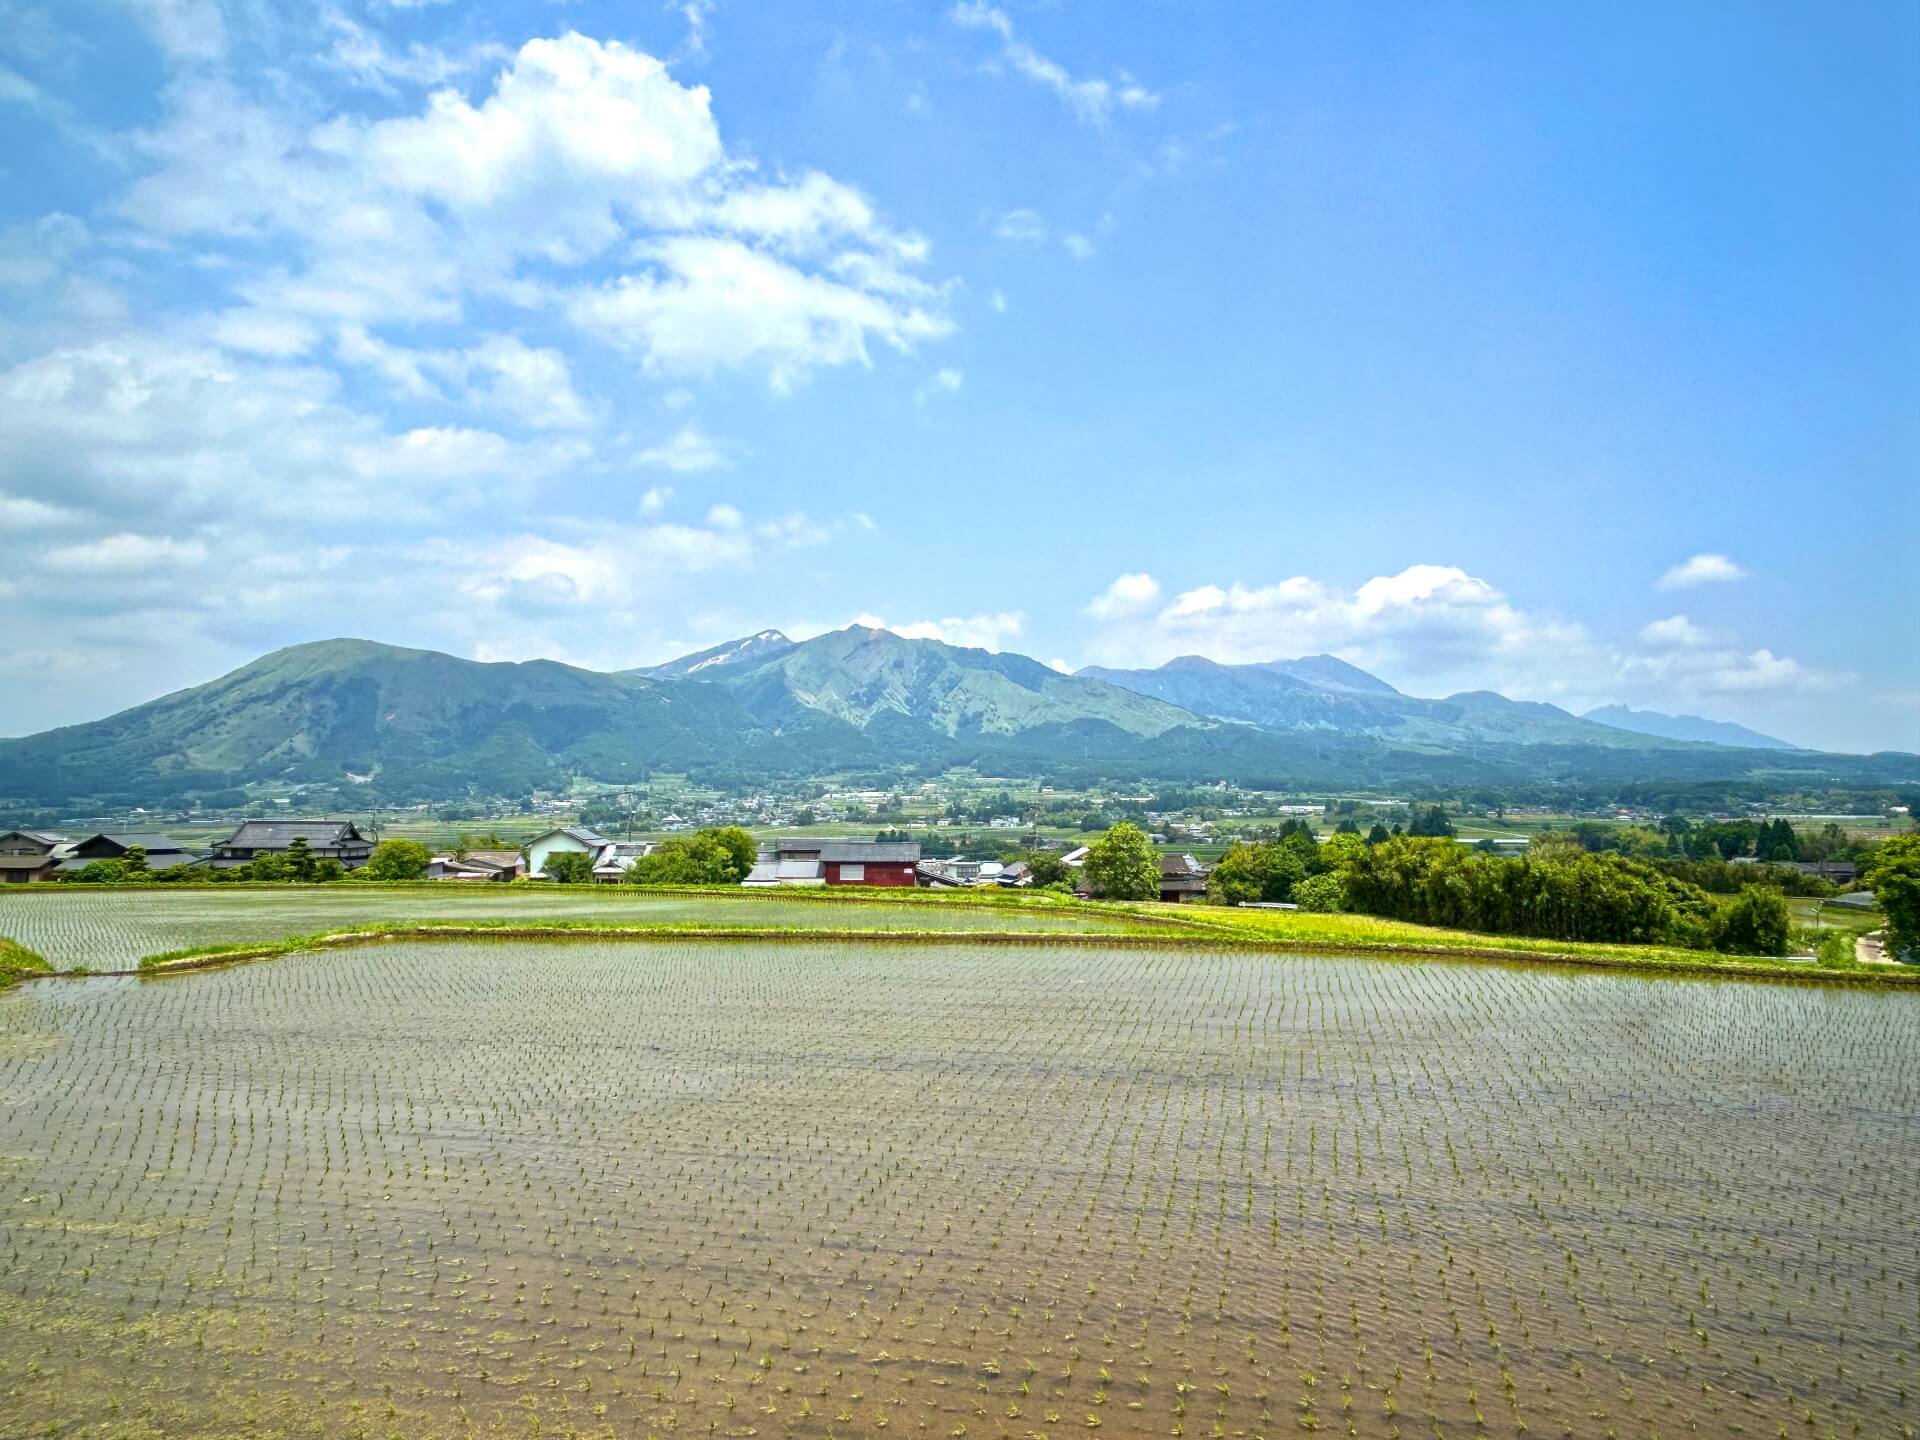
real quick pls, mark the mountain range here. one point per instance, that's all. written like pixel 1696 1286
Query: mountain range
pixel 1685 727
pixel 423 725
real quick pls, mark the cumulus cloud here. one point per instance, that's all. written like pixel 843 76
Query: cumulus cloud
pixel 979 632
pixel 1128 595
pixel 582 154
pixel 1433 630
pixel 1706 569
pixel 1089 100
pixel 1675 630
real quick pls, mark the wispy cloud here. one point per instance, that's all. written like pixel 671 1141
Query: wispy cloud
pixel 1089 100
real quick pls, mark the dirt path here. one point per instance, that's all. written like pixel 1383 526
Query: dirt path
pixel 1871 949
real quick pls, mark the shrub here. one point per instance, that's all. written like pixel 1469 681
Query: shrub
pixel 1756 923
pixel 566 867
pixel 392 860
pixel 1326 894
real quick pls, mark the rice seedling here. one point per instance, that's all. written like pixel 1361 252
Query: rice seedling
pixel 592 1188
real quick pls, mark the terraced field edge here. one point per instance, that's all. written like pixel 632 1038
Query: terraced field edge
pixel 1667 962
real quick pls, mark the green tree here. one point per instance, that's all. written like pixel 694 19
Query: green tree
pixel 706 857
pixel 1121 864
pixel 739 845
pixel 1756 923
pixel 1325 894
pixel 397 859
pixel 563 867
pixel 1433 822
pixel 135 861
pixel 299 860
pixel 1378 834
pixel 1894 878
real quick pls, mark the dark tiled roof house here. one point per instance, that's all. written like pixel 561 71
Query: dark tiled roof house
pixel 28 855
pixel 327 840
pixel 163 853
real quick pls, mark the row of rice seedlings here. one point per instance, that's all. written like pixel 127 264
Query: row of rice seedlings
pixel 997 1192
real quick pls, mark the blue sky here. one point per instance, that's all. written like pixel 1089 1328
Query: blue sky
pixel 1564 351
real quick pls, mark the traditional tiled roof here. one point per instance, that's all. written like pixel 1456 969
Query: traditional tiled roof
pixel 279 834
pixel 854 851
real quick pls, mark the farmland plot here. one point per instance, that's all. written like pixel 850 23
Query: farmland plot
pixel 631 1188
pixel 101 928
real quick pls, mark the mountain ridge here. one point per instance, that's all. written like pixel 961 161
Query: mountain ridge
pixel 424 724
pixel 1686 727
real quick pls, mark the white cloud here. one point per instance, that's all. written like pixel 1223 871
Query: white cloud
pixel 689 450
pixel 1706 569
pixel 187 30
pixel 1127 595
pixel 22 512
pixel 261 332
pixel 1675 630
pixel 1091 101
pixel 1078 246
pixel 655 500
pixel 533 386
pixel 583 152
pixel 1022 227
pixel 709 302
pixel 795 531
pixel 724 517
pixel 981 632
pixel 1434 630
pixel 123 552
pixel 944 381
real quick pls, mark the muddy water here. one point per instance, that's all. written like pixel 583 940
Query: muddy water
pixel 437 1189
pixel 100 928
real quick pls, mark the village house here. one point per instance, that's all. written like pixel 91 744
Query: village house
pixel 29 855
pixel 616 857
pixel 326 840
pixel 567 840
pixel 162 853
pixel 499 866
pixel 838 862
pixel 1182 878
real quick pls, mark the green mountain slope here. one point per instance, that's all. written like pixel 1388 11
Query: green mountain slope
pixel 1685 727
pixel 861 676
pixel 421 725
pixel 416 718
pixel 1321 693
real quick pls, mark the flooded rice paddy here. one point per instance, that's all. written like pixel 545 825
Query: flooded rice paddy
pixel 597 1188
pixel 100 928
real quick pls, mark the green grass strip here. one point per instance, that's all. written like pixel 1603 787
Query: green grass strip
pixel 1650 961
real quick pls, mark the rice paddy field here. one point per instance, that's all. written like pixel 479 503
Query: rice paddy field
pixel 103 928
pixel 648 1188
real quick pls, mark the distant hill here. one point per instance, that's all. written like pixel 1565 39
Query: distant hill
pixel 1321 692
pixel 418 725
pixel 1685 727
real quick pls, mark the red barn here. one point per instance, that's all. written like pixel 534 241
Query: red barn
pixel 853 862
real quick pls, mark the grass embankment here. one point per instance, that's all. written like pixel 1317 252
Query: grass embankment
pixel 18 963
pixel 1280 932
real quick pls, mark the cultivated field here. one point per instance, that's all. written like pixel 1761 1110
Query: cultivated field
pixel 595 1188
pixel 101 928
